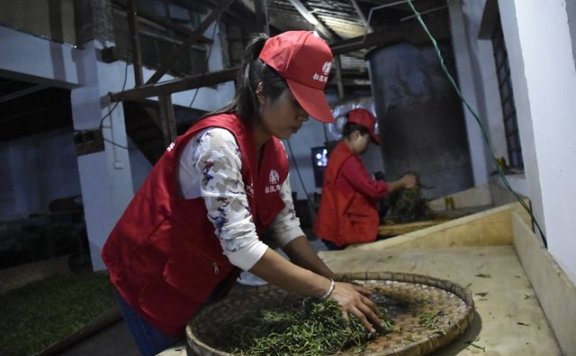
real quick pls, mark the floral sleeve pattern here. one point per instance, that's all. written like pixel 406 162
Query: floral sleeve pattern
pixel 210 168
pixel 214 165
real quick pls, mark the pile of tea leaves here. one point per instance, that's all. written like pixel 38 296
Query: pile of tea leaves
pixel 305 327
pixel 407 205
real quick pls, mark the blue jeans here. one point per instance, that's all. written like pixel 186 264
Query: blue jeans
pixel 150 341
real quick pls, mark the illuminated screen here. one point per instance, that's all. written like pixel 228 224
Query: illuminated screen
pixel 319 162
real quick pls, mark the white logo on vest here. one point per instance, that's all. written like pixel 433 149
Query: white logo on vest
pixel 273 182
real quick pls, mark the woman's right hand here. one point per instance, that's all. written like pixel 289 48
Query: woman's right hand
pixel 354 299
pixel 409 181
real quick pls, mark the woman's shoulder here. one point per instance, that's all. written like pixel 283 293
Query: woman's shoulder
pixel 216 136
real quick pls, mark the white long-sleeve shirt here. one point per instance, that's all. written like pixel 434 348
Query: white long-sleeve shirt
pixel 210 167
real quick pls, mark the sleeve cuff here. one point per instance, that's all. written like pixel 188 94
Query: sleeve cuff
pixel 289 235
pixel 246 257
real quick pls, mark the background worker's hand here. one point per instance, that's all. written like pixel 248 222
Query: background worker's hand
pixel 355 300
pixel 409 181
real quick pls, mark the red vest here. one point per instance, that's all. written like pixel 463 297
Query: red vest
pixel 344 217
pixel 163 256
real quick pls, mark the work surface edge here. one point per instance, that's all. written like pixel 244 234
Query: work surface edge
pixel 509 319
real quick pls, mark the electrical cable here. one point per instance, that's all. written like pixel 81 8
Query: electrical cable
pixel 101 125
pixel 477 118
pixel 297 169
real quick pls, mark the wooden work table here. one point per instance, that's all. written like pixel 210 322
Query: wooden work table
pixel 508 318
pixel 388 227
pixel 524 301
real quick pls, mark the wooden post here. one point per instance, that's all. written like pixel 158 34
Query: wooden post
pixel 167 119
pixel 136 53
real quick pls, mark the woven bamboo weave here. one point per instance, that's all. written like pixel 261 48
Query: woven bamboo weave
pixel 407 298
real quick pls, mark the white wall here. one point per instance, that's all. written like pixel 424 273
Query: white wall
pixel 466 53
pixel 544 81
pixel 24 55
pixel 543 76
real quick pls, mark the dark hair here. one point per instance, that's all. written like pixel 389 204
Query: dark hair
pixel 350 127
pixel 251 72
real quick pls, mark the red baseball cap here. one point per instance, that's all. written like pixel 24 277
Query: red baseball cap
pixel 365 118
pixel 304 60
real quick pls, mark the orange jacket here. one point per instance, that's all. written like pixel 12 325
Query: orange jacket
pixel 345 216
pixel 163 256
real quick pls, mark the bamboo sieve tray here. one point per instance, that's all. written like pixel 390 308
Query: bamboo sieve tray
pixel 408 297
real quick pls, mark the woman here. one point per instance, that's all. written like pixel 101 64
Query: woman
pixel 348 211
pixel 196 221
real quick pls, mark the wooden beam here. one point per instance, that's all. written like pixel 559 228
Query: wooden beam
pixel 16 94
pixel 310 17
pixel 167 118
pixel 135 42
pixel 176 85
pixel 338 77
pixel 361 16
pixel 408 32
pixel 197 34
pixel 262 19
pixel 153 20
pixel 198 6
pixel 411 34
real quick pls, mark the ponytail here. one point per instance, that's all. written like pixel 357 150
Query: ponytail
pixel 253 71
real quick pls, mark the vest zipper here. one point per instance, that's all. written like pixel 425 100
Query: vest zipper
pixel 216 268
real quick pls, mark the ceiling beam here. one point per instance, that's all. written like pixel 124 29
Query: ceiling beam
pixel 412 34
pixel 201 6
pixel 251 6
pixel 262 17
pixel 408 32
pixel 23 92
pixel 361 16
pixel 151 19
pixel 310 17
pixel 133 29
pixel 194 37
pixel 177 85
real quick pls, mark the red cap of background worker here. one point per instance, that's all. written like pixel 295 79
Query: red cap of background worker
pixel 365 118
pixel 304 60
